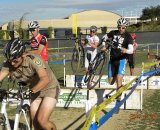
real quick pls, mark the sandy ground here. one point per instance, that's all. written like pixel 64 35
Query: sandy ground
pixel 74 118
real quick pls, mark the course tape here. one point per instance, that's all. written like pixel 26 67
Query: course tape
pixel 59 48
pixel 104 104
pixel 59 62
pixel 103 119
pixel 148 65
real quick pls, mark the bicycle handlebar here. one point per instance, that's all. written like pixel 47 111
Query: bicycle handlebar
pixel 4 94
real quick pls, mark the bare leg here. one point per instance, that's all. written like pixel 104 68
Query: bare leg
pixel 34 111
pixel 44 113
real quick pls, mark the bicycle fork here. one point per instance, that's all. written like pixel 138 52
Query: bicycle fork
pixel 19 109
pixel 5 120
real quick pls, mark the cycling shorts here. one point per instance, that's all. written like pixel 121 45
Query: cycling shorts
pixel 116 67
pixel 131 59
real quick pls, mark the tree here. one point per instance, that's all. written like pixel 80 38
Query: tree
pixel 151 13
pixel 50 31
pixel 1 34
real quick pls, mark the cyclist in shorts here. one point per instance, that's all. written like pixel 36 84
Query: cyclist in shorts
pixel 131 57
pixel 92 42
pixel 33 71
pixel 39 43
pixel 121 45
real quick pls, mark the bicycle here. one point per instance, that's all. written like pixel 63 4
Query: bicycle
pixel 77 56
pixel 96 67
pixel 22 107
pixel 95 70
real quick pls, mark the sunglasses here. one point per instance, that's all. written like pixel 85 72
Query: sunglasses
pixel 92 31
pixel 13 61
pixel 32 29
pixel 121 27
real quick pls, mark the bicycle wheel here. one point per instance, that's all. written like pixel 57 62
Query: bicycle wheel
pixel 97 71
pixel 77 59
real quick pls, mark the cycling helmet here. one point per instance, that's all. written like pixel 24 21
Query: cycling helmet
pixel 122 22
pixel 93 28
pixel 33 24
pixel 133 35
pixel 14 49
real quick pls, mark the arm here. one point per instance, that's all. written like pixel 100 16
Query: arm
pixel 41 46
pixel 3 74
pixel 44 80
pixel 129 50
pixel 94 45
pixel 40 49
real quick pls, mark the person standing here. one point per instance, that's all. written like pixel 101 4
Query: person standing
pixel 39 43
pixel 33 71
pixel 90 47
pixel 131 57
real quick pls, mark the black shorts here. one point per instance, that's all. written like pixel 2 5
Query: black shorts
pixel 131 60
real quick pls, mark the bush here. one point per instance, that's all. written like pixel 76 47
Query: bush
pixel 2 34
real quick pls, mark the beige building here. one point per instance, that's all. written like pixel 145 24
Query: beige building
pixel 85 19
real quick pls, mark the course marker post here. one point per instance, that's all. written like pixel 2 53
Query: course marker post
pixel 64 68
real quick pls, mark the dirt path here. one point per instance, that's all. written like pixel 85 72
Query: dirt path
pixel 74 118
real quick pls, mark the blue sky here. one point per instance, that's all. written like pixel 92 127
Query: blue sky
pixel 55 9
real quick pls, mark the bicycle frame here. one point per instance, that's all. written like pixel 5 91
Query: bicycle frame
pixel 19 109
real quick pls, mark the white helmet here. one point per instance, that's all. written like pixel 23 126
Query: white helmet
pixel 122 22
pixel 33 24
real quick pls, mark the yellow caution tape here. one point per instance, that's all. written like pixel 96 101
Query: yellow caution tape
pixel 109 100
pixel 95 109
pixel 89 119
pixel 59 48
pixel 74 24
pixel 148 65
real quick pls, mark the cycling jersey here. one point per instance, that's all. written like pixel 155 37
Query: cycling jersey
pixel 119 41
pixel 40 39
pixel 90 51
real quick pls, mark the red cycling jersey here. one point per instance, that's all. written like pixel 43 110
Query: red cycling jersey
pixel 40 39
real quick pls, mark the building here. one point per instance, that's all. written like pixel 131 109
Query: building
pixel 63 27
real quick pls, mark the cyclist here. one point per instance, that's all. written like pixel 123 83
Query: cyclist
pixel 121 45
pixel 92 41
pixel 32 70
pixel 39 43
pixel 131 57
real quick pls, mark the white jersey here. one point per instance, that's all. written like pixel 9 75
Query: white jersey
pixel 90 50
pixel 92 40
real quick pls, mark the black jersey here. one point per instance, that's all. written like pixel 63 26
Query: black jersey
pixel 119 41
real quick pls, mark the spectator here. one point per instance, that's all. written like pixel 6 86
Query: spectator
pixel 39 43
pixel 131 57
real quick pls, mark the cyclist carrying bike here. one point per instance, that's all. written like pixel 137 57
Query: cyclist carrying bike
pixel 122 44
pixel 91 46
pixel 32 70
pixel 39 43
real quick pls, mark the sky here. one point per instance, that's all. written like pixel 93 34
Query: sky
pixel 57 9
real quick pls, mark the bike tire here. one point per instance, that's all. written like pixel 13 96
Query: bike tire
pixel 97 72
pixel 77 59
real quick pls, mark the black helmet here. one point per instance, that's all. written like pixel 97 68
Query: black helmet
pixel 14 49
pixel 93 28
